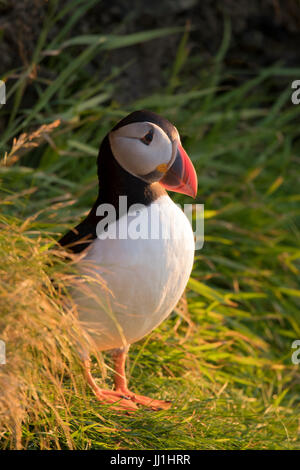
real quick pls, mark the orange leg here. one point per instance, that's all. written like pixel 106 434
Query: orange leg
pixel 122 397
pixel 122 388
pixel 107 396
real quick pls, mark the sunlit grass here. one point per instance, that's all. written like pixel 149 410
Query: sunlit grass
pixel 225 361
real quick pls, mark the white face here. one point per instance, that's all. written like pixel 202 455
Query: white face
pixel 142 148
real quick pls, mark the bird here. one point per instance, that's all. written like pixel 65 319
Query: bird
pixel 142 276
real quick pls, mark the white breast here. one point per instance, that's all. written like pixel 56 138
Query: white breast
pixel 145 277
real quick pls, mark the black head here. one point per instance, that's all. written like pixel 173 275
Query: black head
pixel 148 116
pixel 144 148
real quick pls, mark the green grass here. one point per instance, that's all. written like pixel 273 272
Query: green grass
pixel 225 362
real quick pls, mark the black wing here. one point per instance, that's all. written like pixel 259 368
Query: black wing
pixel 79 238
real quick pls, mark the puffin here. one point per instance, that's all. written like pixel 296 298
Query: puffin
pixel 135 243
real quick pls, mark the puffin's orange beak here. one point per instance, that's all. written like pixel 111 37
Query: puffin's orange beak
pixel 181 177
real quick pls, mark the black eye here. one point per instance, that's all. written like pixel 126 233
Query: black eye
pixel 147 139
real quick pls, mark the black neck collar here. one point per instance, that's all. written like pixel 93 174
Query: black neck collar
pixel 114 181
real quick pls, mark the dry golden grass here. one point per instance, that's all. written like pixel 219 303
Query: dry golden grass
pixel 42 336
pixel 27 141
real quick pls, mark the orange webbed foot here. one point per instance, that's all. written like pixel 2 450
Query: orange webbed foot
pixel 155 405
pixel 118 400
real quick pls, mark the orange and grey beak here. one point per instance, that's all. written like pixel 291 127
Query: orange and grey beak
pixel 181 177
